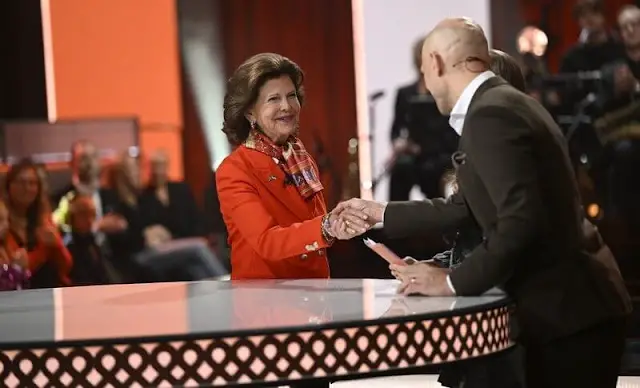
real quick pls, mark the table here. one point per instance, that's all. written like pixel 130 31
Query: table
pixel 216 333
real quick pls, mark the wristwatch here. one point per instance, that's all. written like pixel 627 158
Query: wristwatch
pixel 326 229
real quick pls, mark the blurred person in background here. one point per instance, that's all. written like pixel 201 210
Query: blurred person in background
pixel 271 197
pixel 124 180
pixel 32 229
pixel 90 264
pixel 85 180
pixel 597 46
pixel 421 137
pixel 167 206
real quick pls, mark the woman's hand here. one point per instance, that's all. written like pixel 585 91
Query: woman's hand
pixel 21 258
pixel 47 234
pixel 344 225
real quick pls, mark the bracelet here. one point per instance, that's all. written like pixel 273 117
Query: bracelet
pixel 324 228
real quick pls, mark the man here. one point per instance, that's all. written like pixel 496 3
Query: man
pixel 85 180
pixel 629 24
pixel 422 140
pixel 516 182
pixel 596 47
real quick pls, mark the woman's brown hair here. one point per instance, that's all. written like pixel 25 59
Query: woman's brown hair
pixel 244 86
pixel 38 211
pixel 508 68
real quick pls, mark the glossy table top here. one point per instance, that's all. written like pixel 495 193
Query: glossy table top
pixel 210 307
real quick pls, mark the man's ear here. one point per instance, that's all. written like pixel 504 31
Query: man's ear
pixel 438 64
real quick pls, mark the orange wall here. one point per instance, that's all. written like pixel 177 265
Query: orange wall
pixel 120 58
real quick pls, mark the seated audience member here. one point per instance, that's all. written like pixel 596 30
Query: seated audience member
pixel 85 180
pixel 168 205
pixel 270 193
pixel 90 266
pixel 124 180
pixel 31 228
pixel 14 272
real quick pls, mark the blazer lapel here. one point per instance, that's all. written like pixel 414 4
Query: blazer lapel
pixel 272 178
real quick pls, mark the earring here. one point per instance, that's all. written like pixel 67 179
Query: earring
pixel 253 124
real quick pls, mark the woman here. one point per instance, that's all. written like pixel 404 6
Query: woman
pixel 271 197
pixel 32 229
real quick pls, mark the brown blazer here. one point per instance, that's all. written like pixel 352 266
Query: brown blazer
pixel 516 180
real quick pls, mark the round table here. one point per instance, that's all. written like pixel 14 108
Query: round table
pixel 215 333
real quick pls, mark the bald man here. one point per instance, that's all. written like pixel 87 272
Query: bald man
pixel 516 182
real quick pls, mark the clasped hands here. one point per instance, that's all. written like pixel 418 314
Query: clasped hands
pixel 354 217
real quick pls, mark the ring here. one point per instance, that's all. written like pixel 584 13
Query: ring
pixel 413 280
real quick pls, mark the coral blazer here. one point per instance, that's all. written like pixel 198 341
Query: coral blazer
pixel 273 232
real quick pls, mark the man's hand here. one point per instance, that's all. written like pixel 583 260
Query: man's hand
pixel 423 278
pixel 357 210
pixel 112 223
pixel 345 229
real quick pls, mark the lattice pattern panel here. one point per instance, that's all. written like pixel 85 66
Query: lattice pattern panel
pixel 261 358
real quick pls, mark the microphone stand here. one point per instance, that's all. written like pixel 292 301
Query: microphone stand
pixel 373 98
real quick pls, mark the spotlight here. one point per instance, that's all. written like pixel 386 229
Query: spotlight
pixel 532 40
pixel 593 211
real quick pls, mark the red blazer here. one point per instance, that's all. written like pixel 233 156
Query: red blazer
pixel 273 232
pixel 42 253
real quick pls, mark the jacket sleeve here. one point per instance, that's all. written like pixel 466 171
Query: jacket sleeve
pixel 242 208
pixel 501 152
pixel 413 218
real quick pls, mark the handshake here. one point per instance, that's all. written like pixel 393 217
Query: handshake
pixel 354 217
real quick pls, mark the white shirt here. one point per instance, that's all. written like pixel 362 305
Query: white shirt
pixel 459 111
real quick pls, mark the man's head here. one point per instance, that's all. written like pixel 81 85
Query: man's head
pixel 85 162
pixel 453 53
pixel 629 24
pixel 159 168
pixel 590 16
pixel 82 214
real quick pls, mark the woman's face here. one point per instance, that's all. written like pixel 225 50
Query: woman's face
pixel 23 191
pixel 277 109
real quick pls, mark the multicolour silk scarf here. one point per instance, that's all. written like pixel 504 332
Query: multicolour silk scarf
pixel 294 160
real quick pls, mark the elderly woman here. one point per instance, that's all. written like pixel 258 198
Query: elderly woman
pixel 271 197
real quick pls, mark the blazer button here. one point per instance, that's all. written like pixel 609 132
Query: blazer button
pixel 304 256
pixel 320 252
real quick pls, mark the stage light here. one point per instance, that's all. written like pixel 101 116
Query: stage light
pixel 594 211
pixel 532 40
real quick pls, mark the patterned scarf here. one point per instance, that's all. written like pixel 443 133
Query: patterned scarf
pixel 294 160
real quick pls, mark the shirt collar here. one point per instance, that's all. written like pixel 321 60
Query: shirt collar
pixel 459 111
